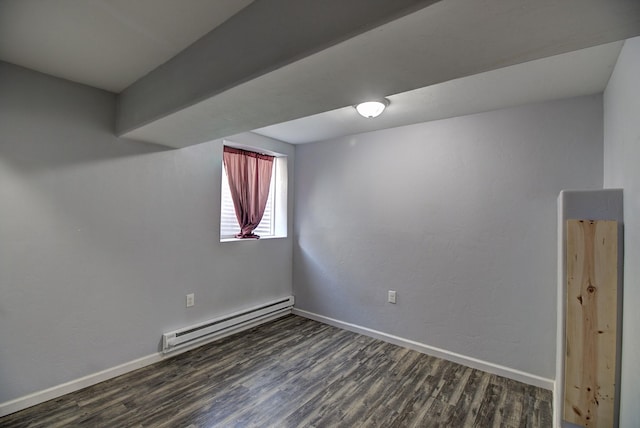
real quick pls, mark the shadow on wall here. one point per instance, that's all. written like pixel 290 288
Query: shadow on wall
pixel 49 123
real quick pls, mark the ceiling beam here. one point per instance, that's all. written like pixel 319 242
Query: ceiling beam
pixel 187 102
pixel 264 36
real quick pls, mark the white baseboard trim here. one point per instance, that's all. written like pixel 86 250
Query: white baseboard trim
pixel 38 397
pixel 474 363
pixel 556 414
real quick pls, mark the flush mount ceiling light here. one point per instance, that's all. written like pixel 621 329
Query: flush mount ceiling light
pixel 371 109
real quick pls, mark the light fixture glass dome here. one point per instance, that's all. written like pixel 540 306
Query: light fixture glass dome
pixel 371 109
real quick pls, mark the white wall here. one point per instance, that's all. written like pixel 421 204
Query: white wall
pixel 622 169
pixel 458 216
pixel 101 237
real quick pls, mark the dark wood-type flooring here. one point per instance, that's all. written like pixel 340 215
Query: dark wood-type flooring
pixel 294 372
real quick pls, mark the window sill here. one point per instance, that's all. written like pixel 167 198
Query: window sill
pixel 262 238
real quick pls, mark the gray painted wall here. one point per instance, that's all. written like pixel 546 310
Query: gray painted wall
pixel 622 169
pixel 102 237
pixel 458 216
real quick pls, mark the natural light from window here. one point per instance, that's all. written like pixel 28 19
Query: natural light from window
pixel 274 220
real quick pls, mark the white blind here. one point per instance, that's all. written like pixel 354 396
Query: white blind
pixel 229 226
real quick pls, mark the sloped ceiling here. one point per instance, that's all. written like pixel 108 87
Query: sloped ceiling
pixel 189 71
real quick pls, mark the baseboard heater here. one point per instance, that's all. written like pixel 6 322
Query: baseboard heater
pixel 226 325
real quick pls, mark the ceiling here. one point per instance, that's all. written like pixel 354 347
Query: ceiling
pixel 108 44
pixel 297 66
pixel 576 73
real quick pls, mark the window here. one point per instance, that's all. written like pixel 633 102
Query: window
pixel 274 219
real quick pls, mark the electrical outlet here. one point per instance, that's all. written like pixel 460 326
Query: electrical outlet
pixel 391 296
pixel 191 300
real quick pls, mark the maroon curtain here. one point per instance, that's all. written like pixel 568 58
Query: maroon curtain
pixel 249 176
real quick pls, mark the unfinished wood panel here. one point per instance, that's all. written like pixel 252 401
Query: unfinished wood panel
pixel 591 318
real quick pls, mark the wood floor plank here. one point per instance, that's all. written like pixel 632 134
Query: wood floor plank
pixel 463 405
pixel 294 372
pixel 410 377
pixel 477 400
pixel 488 407
pixel 426 398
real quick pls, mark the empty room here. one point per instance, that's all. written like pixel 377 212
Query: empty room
pixel 319 213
